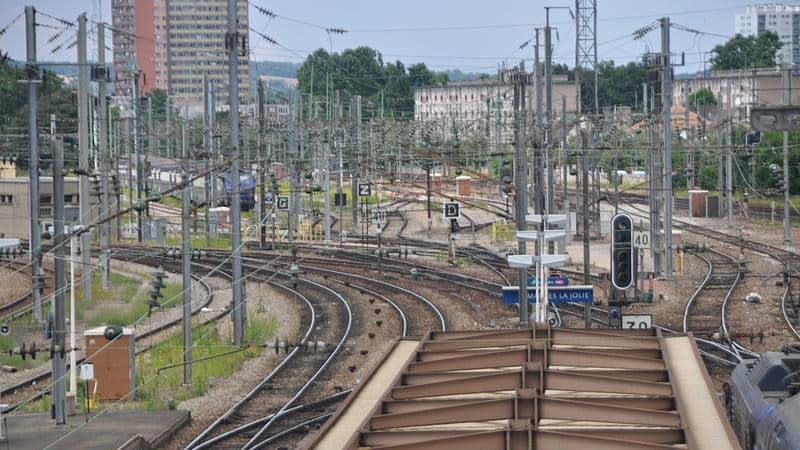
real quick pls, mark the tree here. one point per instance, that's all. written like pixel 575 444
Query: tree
pixel 616 85
pixel 746 52
pixel 159 101
pixel 702 97
pixel 420 76
pixel 361 71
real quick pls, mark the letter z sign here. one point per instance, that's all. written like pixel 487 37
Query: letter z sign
pixel 364 189
pixel 452 211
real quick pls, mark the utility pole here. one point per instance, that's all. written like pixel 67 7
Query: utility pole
pixel 339 180
pixel 262 223
pixel 520 79
pixel 666 94
pixel 105 228
pixel 355 115
pixel 326 181
pixel 547 166
pixel 538 162
pixel 236 223
pixel 83 159
pixel 690 146
pixel 212 113
pixel 565 170
pixel 729 162
pixel 137 149
pixel 33 151
pixel 587 276
pixel 58 368
pixel 168 127
pixel 209 178
pixel 787 100
pixel 187 267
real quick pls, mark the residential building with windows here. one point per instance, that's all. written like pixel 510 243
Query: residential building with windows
pixel 784 20
pixel 173 44
pixel 486 106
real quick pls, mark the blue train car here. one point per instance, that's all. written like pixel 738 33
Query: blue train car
pixel 763 404
pixel 247 188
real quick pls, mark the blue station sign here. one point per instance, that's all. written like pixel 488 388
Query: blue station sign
pixel 551 281
pixel 566 294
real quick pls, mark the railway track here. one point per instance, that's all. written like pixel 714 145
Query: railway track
pixel 331 320
pixel 704 314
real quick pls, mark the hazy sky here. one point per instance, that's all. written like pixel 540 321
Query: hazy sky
pixel 471 35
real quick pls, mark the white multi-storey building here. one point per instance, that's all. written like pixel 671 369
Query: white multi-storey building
pixel 485 106
pixel 784 20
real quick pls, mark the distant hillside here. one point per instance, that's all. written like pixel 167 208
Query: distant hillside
pixel 62 68
pixel 457 75
pixel 274 68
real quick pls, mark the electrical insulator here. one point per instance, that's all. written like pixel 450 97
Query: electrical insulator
pixel 155 293
pixel 95 189
pixel 39 281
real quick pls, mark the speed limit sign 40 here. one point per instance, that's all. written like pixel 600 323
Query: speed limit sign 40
pixel 641 239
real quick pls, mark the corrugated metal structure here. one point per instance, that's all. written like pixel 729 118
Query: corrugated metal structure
pixel 534 389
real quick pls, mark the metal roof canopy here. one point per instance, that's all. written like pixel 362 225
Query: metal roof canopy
pixel 536 388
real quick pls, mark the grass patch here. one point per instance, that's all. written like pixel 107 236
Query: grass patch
pixel 221 241
pixel 127 297
pixel 134 308
pixel 165 390
pixel 9 342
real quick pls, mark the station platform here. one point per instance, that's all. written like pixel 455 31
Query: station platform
pixel 109 430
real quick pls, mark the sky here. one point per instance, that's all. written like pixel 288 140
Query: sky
pixel 470 35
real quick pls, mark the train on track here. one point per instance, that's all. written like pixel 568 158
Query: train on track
pixel 247 188
pixel 763 402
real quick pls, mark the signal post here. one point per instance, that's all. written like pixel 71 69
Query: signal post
pixel 623 263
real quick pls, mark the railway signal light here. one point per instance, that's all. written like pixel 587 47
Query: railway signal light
pixel 622 251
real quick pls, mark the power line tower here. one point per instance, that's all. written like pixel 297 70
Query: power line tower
pixel 586 59
pixel 586 46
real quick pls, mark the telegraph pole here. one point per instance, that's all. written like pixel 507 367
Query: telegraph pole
pixel 137 149
pixel 262 223
pixel 729 162
pixel 666 94
pixel 547 201
pixel 538 162
pixel 355 114
pixel 105 228
pixel 520 80
pixel 787 100
pixel 33 149
pixel 59 389
pixel 236 223
pixel 83 160
pixel 207 136
pixel 187 268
